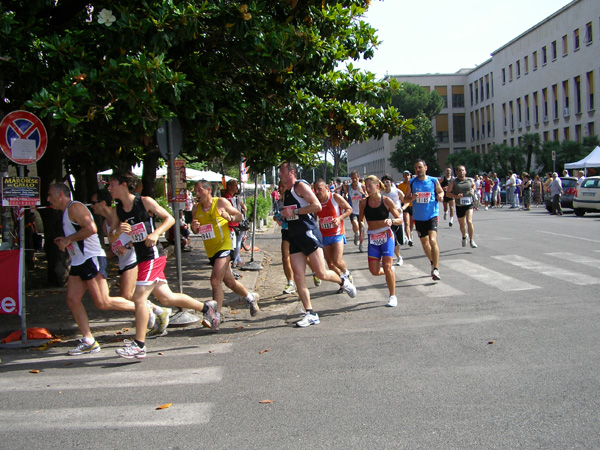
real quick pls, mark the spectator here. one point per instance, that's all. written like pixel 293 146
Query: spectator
pixel 556 191
pixel 538 191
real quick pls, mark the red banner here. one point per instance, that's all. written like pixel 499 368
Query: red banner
pixel 10 289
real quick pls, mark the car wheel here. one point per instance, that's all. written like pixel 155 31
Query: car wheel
pixel 579 212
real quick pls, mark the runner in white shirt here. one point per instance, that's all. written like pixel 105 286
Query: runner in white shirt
pixel 397 196
pixel 355 194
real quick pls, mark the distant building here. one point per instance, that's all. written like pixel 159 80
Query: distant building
pixel 542 81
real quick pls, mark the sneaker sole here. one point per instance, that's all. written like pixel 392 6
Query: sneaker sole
pixel 131 356
pixel 308 324
pixel 94 350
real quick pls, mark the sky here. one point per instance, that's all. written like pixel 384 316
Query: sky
pixel 442 36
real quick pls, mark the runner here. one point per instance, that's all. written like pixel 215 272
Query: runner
pixel 407 209
pixel 122 247
pixel 331 224
pixel 134 215
pixel 231 194
pixel 355 194
pixel 299 205
pixel 397 197
pixel 463 190
pixel 376 210
pixel 88 267
pixel 290 287
pixel 448 202
pixel 425 192
pixel 211 220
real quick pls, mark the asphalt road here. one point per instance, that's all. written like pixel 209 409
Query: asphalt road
pixel 502 353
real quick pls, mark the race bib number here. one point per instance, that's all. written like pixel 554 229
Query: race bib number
pixel 423 197
pixel 138 232
pixel 356 198
pixel 71 250
pixel 466 201
pixel 119 247
pixel 291 208
pixel 206 232
pixel 378 239
pixel 327 223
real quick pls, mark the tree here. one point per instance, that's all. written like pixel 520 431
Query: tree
pixel 467 158
pixel 530 144
pixel 420 143
pixel 504 158
pixel 412 100
pixel 257 79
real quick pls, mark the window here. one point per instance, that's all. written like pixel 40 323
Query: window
pixel 565 86
pixel 526 64
pixel 518 69
pixel 442 136
pixel 458 128
pixel 553 50
pixel 458 100
pixel 588 33
pixel 519 117
pixel 566 134
pixel 544 56
pixel 545 98
pixel 590 89
pixel 555 100
pixel 471 92
pixel 535 60
pixel 503 76
pixel 510 73
pixel 487 87
pixel 526 110
pixel 577 88
pixel 512 115
pixel 565 45
pixel 575 40
pixel 536 116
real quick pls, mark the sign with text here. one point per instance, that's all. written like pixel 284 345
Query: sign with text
pixel 180 182
pixel 20 191
pixel 23 137
pixel 10 288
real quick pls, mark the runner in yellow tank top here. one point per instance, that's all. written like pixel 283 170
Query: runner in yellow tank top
pixel 211 222
pixel 214 229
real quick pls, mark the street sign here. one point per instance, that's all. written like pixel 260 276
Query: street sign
pixel 23 137
pixel 169 131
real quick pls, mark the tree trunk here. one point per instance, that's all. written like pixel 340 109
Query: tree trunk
pixel 149 174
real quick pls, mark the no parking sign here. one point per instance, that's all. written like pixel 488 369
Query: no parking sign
pixel 23 137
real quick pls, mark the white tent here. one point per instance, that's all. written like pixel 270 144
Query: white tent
pixel 591 160
pixel 190 174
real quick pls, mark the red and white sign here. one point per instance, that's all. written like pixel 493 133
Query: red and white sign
pixel 10 288
pixel 23 137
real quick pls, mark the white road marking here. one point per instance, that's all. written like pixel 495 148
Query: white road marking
pixel 103 417
pixel 574 257
pixel 409 276
pixel 111 380
pixel 569 236
pixel 548 270
pixel 487 276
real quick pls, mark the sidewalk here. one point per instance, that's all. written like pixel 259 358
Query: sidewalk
pixel 46 308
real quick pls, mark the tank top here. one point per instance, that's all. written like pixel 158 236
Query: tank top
pixel 80 251
pixel 141 226
pixel 214 229
pixel 298 224
pixel 354 196
pixel 128 257
pixel 378 213
pixel 425 206
pixel 463 187
pixel 395 197
pixel 330 210
pixel 234 201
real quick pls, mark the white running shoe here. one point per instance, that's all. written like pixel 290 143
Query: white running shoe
pixel 308 319
pixel 473 244
pixel 253 304
pixel 399 261
pixel 348 287
pixel 435 274
pixel 392 301
pixel 290 288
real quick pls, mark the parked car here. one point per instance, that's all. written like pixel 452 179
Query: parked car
pixel 587 197
pixel 566 200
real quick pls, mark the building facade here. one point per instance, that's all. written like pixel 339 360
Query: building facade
pixel 543 82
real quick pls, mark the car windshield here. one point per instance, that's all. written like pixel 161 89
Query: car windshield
pixel 568 182
pixel 590 183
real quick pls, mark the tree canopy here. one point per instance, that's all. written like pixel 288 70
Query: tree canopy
pixel 258 79
pixel 420 143
pixel 413 100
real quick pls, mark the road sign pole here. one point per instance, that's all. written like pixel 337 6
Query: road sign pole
pixel 22 271
pixel 174 205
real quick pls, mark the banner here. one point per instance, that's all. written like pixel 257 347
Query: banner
pixel 10 288
pixel 180 182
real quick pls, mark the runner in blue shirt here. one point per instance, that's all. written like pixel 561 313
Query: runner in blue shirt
pixel 425 192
